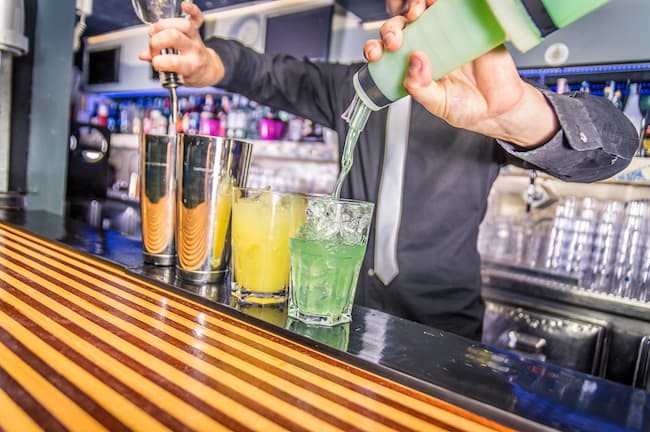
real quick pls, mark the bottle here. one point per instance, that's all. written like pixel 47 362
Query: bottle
pixel 208 124
pixel 102 114
pixel 644 138
pixel 562 86
pixel 464 30
pixel 618 99
pixel 632 110
pixel 609 90
pixel 231 116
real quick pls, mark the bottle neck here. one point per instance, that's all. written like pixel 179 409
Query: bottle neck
pixel 368 91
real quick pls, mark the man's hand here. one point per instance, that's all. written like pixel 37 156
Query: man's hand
pixel 485 96
pixel 199 65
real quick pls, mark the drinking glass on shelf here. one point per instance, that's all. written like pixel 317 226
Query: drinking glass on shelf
pixel 560 235
pixel 598 274
pixel 641 291
pixel 581 246
pixel 502 238
pixel 627 265
pixel 537 246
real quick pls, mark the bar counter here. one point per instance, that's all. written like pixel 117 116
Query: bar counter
pixel 90 339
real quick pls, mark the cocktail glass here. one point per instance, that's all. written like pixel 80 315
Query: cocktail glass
pixel 326 257
pixel 262 223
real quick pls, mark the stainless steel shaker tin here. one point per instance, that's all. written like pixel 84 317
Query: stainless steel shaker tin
pixel 158 198
pixel 208 167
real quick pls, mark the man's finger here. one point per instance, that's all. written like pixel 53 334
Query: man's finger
pixel 391 32
pixel 145 56
pixel 372 50
pixel 170 39
pixel 180 24
pixel 417 8
pixel 193 13
pixel 419 84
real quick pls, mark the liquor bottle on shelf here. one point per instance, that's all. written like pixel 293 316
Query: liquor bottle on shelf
pixel 632 110
pixel 562 86
pixel 585 87
pixel 237 118
pixel 209 125
pixel 610 88
pixel 255 114
pixel 644 140
pixel 618 99
pixel 230 107
pixel 102 114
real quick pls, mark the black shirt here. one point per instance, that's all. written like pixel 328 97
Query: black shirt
pixel 448 176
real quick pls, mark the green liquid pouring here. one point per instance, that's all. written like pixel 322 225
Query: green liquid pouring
pixel 356 115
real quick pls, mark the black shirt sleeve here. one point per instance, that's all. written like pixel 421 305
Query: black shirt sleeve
pixel 595 140
pixel 314 90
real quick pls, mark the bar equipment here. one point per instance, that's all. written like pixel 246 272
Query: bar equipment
pixel 12 43
pixel 158 198
pixel 149 12
pixel 208 167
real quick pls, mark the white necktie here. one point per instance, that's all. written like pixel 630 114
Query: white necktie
pixel 389 201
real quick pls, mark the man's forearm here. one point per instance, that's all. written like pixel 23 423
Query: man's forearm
pixel 595 140
pixel 532 123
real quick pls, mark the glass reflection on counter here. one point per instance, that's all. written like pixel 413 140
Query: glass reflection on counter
pixel 336 336
pixel 275 314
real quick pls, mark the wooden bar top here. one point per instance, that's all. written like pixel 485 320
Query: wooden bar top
pixel 85 346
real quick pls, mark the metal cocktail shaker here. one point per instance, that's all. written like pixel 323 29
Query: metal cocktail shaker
pixel 158 198
pixel 208 168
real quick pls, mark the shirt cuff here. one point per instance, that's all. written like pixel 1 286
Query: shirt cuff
pixel 577 134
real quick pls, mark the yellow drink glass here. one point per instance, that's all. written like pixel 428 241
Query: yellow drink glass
pixel 262 223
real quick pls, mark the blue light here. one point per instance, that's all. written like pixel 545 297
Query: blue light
pixel 181 91
pixel 584 70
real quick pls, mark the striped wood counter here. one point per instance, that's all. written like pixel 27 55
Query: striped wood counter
pixel 85 347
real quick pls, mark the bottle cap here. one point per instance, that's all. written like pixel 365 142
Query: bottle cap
pixel 368 91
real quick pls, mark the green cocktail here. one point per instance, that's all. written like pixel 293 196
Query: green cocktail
pixel 327 274
pixel 326 256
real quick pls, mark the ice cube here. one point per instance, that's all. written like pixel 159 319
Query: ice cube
pixel 321 223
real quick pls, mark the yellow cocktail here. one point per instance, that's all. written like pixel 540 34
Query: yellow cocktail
pixel 262 223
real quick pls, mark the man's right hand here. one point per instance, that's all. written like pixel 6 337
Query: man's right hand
pixel 199 65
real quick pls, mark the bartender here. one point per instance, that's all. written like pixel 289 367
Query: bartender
pixel 428 162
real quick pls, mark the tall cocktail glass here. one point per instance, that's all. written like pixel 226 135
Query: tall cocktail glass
pixel 262 223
